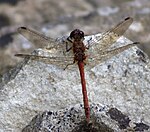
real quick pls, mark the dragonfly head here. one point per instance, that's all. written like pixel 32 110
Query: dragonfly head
pixel 77 35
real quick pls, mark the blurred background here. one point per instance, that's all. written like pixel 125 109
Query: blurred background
pixel 58 17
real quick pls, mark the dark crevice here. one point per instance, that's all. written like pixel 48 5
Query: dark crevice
pixel 4 20
pixel 10 2
pixel 123 120
pixel 5 40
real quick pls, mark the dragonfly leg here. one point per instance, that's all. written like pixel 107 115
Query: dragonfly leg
pixel 87 47
pixel 67 48
pixel 69 65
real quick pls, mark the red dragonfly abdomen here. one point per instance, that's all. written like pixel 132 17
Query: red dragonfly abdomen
pixel 84 91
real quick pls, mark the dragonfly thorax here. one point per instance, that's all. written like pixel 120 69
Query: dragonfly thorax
pixel 79 56
pixel 79 51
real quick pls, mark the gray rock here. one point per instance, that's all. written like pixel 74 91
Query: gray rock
pixel 103 119
pixel 33 87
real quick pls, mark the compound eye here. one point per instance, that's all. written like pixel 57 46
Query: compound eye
pixel 82 34
pixel 72 34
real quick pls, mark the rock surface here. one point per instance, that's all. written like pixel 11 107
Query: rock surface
pixel 103 119
pixel 122 82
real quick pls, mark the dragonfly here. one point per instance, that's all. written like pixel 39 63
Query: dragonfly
pixel 79 49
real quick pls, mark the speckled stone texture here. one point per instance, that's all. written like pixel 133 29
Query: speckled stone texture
pixel 103 119
pixel 122 83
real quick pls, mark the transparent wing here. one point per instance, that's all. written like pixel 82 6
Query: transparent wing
pixel 100 43
pixel 92 60
pixel 57 60
pixel 36 38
